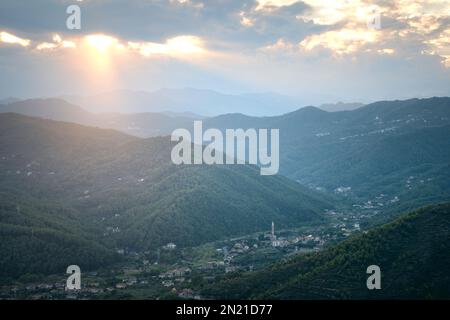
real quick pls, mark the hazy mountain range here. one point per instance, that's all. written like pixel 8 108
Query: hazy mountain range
pixel 393 149
pixel 72 182
pixel 137 124
pixel 191 102
pixel 396 149
pixel 197 101
pixel 340 106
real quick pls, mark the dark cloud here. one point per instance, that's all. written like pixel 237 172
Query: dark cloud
pixel 158 20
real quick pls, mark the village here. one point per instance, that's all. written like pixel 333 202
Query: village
pixel 175 272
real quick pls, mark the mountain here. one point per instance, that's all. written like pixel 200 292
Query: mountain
pixel 389 156
pixel 198 101
pixel 392 149
pixel 123 192
pixel 412 253
pixel 395 154
pixel 185 114
pixel 9 100
pixel 54 109
pixel 340 106
pixel 44 237
pixel 141 124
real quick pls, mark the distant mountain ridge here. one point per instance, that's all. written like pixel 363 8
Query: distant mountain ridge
pixel 340 106
pixel 9 100
pixel 140 124
pixel 372 150
pixel 396 149
pixel 399 149
pixel 198 101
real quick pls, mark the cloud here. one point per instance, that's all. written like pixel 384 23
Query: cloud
pixel 197 5
pixel 386 51
pixel 440 46
pixel 307 46
pixel 58 43
pixel 346 40
pixel 9 38
pixel 246 21
pixel 179 46
pixel 323 12
pixel 420 27
pixel 280 46
pixel 271 4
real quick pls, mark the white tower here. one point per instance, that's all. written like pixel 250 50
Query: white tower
pixel 273 231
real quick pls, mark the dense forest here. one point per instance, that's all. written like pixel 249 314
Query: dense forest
pixel 68 188
pixel 39 237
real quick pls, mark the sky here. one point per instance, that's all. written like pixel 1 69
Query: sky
pixel 322 51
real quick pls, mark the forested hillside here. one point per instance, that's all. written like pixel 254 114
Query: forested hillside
pixel 412 253
pixel 78 184
pixel 397 149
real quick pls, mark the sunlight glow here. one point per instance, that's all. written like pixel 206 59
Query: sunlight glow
pixel 101 43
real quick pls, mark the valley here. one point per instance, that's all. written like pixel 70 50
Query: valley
pixel 122 192
pixel 221 153
pixel 237 268
pixel 141 227
pixel 393 148
pixel 171 272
